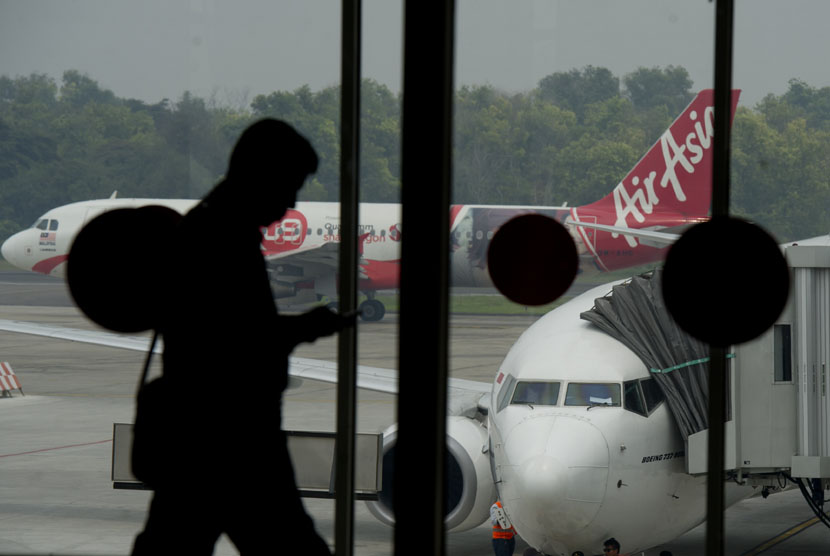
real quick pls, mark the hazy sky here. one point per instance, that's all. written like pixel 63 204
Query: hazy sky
pixel 235 49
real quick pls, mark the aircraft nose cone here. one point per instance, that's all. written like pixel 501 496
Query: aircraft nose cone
pixel 10 249
pixel 542 482
pixel 560 482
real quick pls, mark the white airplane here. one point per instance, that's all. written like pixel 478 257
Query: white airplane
pixel 668 189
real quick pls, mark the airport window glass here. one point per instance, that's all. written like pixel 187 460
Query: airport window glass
pixel 555 103
pixel 149 98
pixel 781 119
pixel 592 393
pixel 782 353
pixel 652 393
pixel 531 393
pixel 632 397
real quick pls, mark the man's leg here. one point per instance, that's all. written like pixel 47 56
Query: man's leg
pixel 178 523
pixel 275 524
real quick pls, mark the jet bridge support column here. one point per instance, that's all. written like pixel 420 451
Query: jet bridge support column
pixel 811 272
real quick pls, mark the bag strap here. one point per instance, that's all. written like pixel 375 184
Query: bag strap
pixel 148 359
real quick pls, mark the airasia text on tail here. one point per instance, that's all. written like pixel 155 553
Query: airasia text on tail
pixel 670 186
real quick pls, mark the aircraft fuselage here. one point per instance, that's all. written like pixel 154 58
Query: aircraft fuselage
pixel 579 454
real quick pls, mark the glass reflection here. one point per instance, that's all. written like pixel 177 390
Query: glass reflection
pixel 556 102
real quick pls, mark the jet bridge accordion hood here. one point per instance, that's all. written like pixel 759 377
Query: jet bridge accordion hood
pixel 634 314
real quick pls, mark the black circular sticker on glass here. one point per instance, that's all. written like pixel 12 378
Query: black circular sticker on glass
pixel 532 259
pixel 725 281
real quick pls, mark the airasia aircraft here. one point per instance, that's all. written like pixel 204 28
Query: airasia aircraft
pixel 666 191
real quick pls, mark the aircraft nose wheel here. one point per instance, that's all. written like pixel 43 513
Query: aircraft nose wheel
pixel 372 310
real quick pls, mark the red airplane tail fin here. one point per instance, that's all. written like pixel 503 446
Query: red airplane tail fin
pixel 674 176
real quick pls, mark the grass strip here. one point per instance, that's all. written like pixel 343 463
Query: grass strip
pixel 480 305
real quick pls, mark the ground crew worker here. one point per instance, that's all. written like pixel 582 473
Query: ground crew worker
pixel 504 535
pixel 611 547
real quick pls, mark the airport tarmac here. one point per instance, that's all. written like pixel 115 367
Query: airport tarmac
pixel 56 496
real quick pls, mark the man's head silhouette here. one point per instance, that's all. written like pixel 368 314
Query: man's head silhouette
pixel 268 166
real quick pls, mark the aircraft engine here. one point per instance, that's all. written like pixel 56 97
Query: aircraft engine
pixel 281 290
pixel 470 488
pixel 283 278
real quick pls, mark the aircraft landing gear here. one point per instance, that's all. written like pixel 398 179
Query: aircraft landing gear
pixel 372 310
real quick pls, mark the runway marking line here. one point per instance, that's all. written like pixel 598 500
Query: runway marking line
pixel 789 533
pixel 86 395
pixel 56 448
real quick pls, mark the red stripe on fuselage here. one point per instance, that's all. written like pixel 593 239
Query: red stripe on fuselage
pixel 46 266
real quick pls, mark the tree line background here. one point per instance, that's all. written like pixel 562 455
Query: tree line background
pixel 570 139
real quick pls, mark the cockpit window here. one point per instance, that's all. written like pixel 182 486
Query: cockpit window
pixel 53 225
pixel 585 393
pixel 541 393
pixel 633 398
pixel 504 394
pixel 652 393
pixel 642 396
pixel 41 224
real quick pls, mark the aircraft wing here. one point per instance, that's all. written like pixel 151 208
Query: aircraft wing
pixel 95 337
pixel 325 254
pixel 646 236
pixel 466 396
pixel 665 238
pixel 316 259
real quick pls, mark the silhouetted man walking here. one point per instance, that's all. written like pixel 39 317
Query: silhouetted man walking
pixel 225 461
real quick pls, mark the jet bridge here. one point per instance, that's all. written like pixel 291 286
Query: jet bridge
pixel 779 398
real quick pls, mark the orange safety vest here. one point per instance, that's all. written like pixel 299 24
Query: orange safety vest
pixel 499 533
